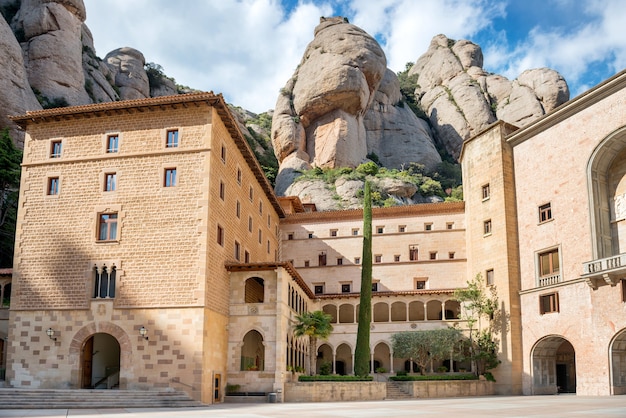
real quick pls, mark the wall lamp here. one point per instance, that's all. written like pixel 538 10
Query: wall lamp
pixel 50 333
pixel 143 331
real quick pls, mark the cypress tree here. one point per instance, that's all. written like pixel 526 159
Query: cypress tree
pixel 362 351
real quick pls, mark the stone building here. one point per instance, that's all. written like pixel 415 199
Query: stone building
pixel 152 249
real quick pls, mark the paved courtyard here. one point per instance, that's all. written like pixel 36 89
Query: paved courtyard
pixel 518 406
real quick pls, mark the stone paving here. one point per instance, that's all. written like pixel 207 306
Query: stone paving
pixel 500 406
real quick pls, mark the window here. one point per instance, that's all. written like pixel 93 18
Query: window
pixel 340 261
pixel 378 258
pixel 237 251
pixel 223 154
pixel 306 263
pixel 238 210
pixel 268 246
pixel 380 229
pixel 549 263
pixel 249 223
pixel 420 284
pixel 171 140
pixel 545 213
pixel 450 225
pixel 170 177
pixel 333 232
pixel 413 252
pixel 239 175
pixel 269 221
pixel 260 236
pixel 549 303
pixel 321 259
pixel 310 235
pixel 220 235
pixel 433 255
pixel 487 227
pixel 428 227
pixel 104 282
pixel 260 207
pixel 107 227
pixel 55 149
pixel 113 142
pixel 486 191
pixel 402 228
pixel 345 288
pixel 375 287
pixel 222 190
pixel 110 182
pixel 396 257
pixel 246 257
pixel 290 236
pixel 489 274
pixel 355 231
pixel 357 260
pixel 53 186
pixel 251 193
pixel 318 289
pixel 451 255
pixel 623 281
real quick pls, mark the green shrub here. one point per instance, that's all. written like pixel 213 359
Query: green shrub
pixel 326 368
pixel 334 378
pixel 381 370
pixel 369 168
pixel 460 376
pixel 402 373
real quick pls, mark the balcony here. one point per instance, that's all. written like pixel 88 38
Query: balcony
pixel 550 280
pixel 607 270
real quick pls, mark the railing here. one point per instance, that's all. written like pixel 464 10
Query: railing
pixel 604 264
pixel 549 280
pixel 111 377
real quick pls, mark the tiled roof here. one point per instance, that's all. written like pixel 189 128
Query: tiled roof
pixel 388 293
pixel 271 266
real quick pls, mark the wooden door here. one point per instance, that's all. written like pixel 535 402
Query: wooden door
pixel 87 363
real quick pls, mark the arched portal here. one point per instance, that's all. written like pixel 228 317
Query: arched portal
pixel 253 352
pixel 100 362
pixel 343 360
pixel 255 290
pixel 332 311
pixel 554 366
pixel 617 352
pixel 324 355
pixel 382 357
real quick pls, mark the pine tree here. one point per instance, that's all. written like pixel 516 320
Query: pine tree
pixel 362 351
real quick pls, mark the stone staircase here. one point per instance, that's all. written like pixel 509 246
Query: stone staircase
pixel 11 398
pixel 396 392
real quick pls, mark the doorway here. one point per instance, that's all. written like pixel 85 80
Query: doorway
pixel 100 362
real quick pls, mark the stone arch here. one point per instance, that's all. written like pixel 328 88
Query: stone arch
pixel 343 359
pixel 606 185
pixel 398 311
pixel 416 310
pixel 324 355
pixel 553 362
pixel 617 356
pixel 253 351
pixel 433 310
pixel 452 309
pixel 381 312
pixel 80 339
pixel 382 356
pixel 331 310
pixel 346 313
pixel 255 290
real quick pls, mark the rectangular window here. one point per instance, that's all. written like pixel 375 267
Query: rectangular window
pixel 375 287
pixel 306 263
pixel 222 190
pixel 545 213
pixel 53 186
pixel 107 227
pixel 246 257
pixel 402 228
pixel 55 149
pixel 487 227
pixel 251 193
pixel 260 208
pixel 340 261
pixel 396 257
pixel 223 154
pixel 169 177
pixel 310 235
pixel 549 303
pixel 623 281
pixel 269 221
pixel 321 259
pixel 238 210
pixel 239 175
pixel 319 289
pixel 220 235
pixel 380 229
pixel 171 140
pixel 249 223
pixel 433 255
pixel 450 225
pixel 345 288
pixel 357 260
pixel 333 232
pixel 549 263
pixel 104 282
pixel 237 251
pixel 290 236
pixel 413 252
pixel 450 255
pixel 268 246
pixel 378 258
pixel 110 181
pixel 486 191
pixel 355 231
pixel 420 284
pixel 113 142
pixel 260 236
pixel 489 274
pixel 428 227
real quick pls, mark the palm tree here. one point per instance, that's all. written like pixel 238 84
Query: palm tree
pixel 315 325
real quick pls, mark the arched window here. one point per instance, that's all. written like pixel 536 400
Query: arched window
pixel 255 290
pixel 104 282
pixel 253 352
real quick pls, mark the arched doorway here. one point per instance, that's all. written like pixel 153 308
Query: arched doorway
pixel 253 352
pixel 554 366
pixel 617 351
pixel 100 363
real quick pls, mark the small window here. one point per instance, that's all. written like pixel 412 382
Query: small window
pixel 55 149
pixel 310 235
pixel 269 221
pixel 249 223
pixel 545 213
pixel 450 225
pixel 170 177
pixel 290 236
pixel 345 288
pixel 246 257
pixel 487 227
pixel 222 190
pixel 104 282
pixel 380 229
pixel 549 263
pixel 239 176
pixel 396 258
pixel 260 236
pixel 107 227
pixel 420 284
pixel 378 258
pixel 486 191
pixel 53 186
pixel 355 231
pixel 428 227
pixel 251 193
pixel 402 228
pixel 333 232
pixel 413 252
pixel 238 210
pixel 113 142
pixel 451 255
pixel 340 261
pixel 549 303
pixel 237 251
pixel 319 289
pixel 357 260
pixel 110 182
pixel 623 281
pixel 306 263
pixel 220 235
pixel 260 207
pixel 223 154
pixel 489 274
pixel 269 246
pixel 171 140
pixel 321 259
pixel 375 287
pixel 433 255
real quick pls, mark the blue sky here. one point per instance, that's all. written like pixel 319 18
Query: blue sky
pixel 248 49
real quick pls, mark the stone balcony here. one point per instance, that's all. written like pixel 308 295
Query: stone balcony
pixel 607 270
